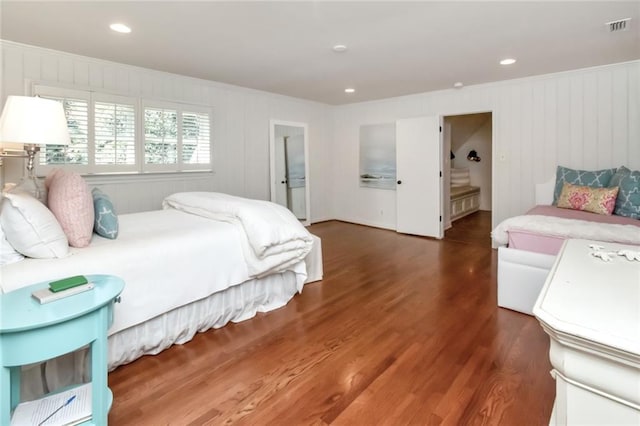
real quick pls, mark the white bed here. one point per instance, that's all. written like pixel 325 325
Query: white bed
pixel 522 273
pixel 183 273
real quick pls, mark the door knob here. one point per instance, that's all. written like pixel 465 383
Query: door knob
pixel 399 182
pixel 284 181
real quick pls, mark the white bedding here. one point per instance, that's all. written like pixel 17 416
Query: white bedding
pixel 184 258
pixel 271 237
pixel 567 228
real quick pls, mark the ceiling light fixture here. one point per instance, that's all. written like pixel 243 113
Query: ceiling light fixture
pixel 507 61
pixel 349 90
pixel 120 28
pixel 339 48
pixel 458 84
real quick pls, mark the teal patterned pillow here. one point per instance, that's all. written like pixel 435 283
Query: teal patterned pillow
pixel 628 201
pixel 106 219
pixel 595 179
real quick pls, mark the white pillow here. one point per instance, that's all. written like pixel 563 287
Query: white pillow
pixel 31 228
pixel 460 172
pixel 7 253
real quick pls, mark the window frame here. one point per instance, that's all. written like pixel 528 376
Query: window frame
pixel 116 99
pixel 193 109
pixel 48 91
pixel 139 103
pixel 180 165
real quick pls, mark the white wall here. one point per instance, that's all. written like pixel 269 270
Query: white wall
pixel 586 119
pixel 240 126
pixel 583 119
pixel 479 172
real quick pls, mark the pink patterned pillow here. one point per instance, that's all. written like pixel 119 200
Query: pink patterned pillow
pixel 70 200
pixel 595 200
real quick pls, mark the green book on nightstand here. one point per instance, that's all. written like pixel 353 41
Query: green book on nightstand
pixel 67 283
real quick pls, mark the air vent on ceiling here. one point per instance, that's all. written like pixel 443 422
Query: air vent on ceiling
pixel 619 25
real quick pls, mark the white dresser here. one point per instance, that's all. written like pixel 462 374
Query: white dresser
pixel 591 311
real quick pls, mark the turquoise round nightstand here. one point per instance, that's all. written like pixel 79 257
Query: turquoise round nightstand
pixel 31 332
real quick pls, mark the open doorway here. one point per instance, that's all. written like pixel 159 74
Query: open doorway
pixel 467 175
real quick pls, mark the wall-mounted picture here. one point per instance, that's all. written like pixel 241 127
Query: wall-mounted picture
pixel 378 156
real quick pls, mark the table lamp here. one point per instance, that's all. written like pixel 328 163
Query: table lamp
pixel 26 123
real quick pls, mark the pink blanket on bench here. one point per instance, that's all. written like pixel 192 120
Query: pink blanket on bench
pixel 539 232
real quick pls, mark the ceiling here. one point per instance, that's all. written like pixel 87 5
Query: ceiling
pixel 394 48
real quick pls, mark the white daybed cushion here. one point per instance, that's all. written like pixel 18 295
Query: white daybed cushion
pixel 31 228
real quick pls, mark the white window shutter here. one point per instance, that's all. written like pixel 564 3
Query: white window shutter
pixel 196 138
pixel 77 152
pixel 114 129
pixel 160 136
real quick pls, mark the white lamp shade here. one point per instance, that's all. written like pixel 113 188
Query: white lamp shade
pixel 33 120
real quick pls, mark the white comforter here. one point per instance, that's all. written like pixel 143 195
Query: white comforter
pixel 272 238
pixel 567 228
pixel 167 259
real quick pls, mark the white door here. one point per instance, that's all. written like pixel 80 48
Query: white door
pixel 446 175
pixel 419 177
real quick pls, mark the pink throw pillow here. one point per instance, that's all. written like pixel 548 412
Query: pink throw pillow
pixel 595 200
pixel 70 200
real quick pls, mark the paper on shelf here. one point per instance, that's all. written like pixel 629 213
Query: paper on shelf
pixel 32 413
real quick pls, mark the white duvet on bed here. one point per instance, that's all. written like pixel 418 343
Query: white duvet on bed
pixel 167 259
pixel 272 237
pixel 567 228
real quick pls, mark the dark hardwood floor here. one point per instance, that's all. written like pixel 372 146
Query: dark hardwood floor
pixel 402 330
pixel 472 229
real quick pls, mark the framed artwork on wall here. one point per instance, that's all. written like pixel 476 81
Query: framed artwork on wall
pixel 378 156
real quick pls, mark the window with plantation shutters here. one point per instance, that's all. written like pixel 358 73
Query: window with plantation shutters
pixel 102 129
pixel 76 110
pixel 196 138
pixel 112 133
pixel 160 136
pixel 176 137
pixel 115 133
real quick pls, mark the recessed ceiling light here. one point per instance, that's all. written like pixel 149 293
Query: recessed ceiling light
pixel 339 48
pixel 458 84
pixel 349 90
pixel 121 28
pixel 507 61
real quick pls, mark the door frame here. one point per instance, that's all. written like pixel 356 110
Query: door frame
pixel 494 157
pixel 272 163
